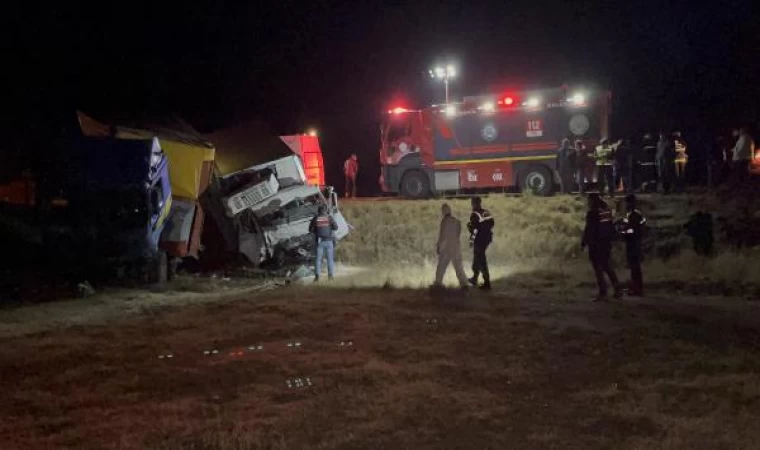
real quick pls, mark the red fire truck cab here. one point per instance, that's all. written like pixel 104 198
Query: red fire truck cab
pixel 488 142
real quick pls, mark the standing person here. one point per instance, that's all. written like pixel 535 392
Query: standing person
pixel 323 228
pixel 566 167
pixel 481 234
pixel 742 155
pixel 604 155
pixel 681 159
pixel 648 163
pixel 665 160
pixel 350 169
pixel 597 236
pixel 624 165
pixel 700 229
pixel 632 229
pixel 448 248
pixel 581 162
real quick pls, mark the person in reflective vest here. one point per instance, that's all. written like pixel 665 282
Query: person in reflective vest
pixel 682 158
pixel 323 228
pixel 448 248
pixel 350 169
pixel 604 155
pixel 632 229
pixel 597 236
pixel 481 234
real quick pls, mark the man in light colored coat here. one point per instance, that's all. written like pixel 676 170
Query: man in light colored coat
pixel 449 248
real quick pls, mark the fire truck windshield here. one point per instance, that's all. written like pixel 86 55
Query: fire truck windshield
pixel 396 129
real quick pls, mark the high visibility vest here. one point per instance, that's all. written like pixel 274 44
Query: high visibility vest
pixel 681 152
pixel 604 155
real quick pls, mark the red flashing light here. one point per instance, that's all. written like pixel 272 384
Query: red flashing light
pixel 508 101
pixel 398 110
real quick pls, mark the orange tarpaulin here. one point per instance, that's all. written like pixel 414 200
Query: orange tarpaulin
pixel 307 147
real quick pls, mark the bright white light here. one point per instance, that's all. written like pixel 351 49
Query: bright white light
pixel 312 132
pixel 451 72
pixel 440 73
pixel 451 110
pixel 532 102
pixel 488 107
pixel 579 99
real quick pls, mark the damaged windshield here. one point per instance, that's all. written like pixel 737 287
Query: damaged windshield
pixel 296 210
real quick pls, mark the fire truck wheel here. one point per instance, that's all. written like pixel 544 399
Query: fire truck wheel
pixel 537 179
pixel 415 184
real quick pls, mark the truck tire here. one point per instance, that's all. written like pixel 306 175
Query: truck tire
pixel 538 180
pixel 415 184
pixel 157 270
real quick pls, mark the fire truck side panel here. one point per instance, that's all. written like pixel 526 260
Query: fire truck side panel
pixel 485 175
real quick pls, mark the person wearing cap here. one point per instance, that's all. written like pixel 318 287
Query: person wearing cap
pixel 323 228
pixel 632 227
pixel 604 155
pixel 597 236
pixel 481 234
pixel 448 248
pixel 350 170
pixel 565 166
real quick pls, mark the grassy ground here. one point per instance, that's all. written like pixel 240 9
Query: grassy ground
pixel 533 364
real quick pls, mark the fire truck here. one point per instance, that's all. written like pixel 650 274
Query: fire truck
pixel 488 142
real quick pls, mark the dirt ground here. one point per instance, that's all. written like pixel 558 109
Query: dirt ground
pixel 533 364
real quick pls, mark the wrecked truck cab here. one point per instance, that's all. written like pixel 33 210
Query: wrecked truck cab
pixel 283 221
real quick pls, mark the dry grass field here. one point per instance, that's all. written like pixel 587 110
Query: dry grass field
pixel 531 365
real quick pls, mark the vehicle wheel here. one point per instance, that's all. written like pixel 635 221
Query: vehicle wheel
pixel 157 270
pixel 538 180
pixel 415 184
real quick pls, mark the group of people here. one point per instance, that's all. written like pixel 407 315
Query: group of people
pixel 449 249
pixel 599 233
pixel 621 164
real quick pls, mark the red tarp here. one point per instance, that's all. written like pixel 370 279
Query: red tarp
pixel 307 147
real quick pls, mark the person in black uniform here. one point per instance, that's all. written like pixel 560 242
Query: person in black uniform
pixel 481 233
pixel 632 229
pixel 597 236
pixel 700 229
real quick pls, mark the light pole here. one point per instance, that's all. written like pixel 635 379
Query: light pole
pixel 444 73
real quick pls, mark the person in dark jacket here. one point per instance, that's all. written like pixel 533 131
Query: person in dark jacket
pixel 666 162
pixel 624 165
pixel 632 228
pixel 597 236
pixel 582 162
pixel 323 228
pixel 566 167
pixel 700 229
pixel 481 234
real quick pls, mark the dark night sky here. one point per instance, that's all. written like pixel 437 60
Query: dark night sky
pixel 337 65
